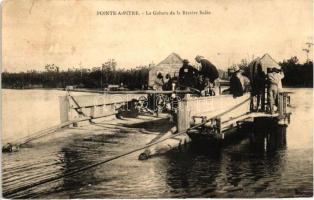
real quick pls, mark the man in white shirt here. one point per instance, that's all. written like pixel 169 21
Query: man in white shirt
pixel 275 86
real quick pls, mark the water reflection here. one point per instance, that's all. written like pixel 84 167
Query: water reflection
pixel 74 159
pixel 268 137
pixel 227 171
pixel 81 153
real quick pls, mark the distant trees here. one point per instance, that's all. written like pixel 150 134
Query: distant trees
pixel 50 76
pixel 97 77
pixel 297 74
pixel 243 64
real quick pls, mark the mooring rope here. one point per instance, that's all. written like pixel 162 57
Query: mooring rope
pixel 74 172
pixel 88 167
pixel 44 132
pixel 52 129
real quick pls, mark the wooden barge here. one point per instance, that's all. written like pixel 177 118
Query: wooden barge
pixel 195 117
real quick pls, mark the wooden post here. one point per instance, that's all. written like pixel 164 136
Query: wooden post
pixel 284 103
pixel 64 108
pixel 183 115
pixel 280 104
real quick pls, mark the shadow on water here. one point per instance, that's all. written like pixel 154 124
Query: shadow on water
pixel 246 166
pixel 268 137
pixel 160 125
pixel 90 150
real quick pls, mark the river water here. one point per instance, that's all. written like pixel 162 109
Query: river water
pixel 243 168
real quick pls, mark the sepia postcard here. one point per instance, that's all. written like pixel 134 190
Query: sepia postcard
pixel 135 99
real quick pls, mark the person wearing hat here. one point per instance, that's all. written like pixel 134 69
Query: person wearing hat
pixel 159 82
pixel 235 84
pixel 208 70
pixel 187 75
pixel 238 82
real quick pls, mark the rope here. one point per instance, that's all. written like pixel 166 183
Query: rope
pixel 115 157
pixel 52 129
pixel 44 132
pixel 87 167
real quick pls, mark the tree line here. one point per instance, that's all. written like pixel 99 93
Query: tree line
pixel 296 74
pixel 97 77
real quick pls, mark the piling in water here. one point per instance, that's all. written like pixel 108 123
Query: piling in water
pixel 166 145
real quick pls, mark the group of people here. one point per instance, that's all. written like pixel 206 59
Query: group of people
pixel 239 84
pixel 270 81
pixel 163 83
pixel 202 80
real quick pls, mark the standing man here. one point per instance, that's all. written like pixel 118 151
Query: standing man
pixel 187 75
pixel 258 86
pixel 274 78
pixel 208 70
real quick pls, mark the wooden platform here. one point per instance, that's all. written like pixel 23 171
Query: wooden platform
pixel 216 115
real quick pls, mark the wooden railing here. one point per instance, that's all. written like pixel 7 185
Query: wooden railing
pixel 93 106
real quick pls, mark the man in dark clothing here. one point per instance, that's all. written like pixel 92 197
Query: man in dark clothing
pixel 208 69
pixel 167 83
pixel 258 86
pixel 187 75
pixel 236 88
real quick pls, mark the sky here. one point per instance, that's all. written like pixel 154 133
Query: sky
pixel 69 33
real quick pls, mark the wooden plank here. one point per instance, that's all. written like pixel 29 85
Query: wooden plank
pixel 128 91
pixel 224 106
pixel 85 90
pixel 64 109
pixel 75 107
pixel 101 100
pixel 149 92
